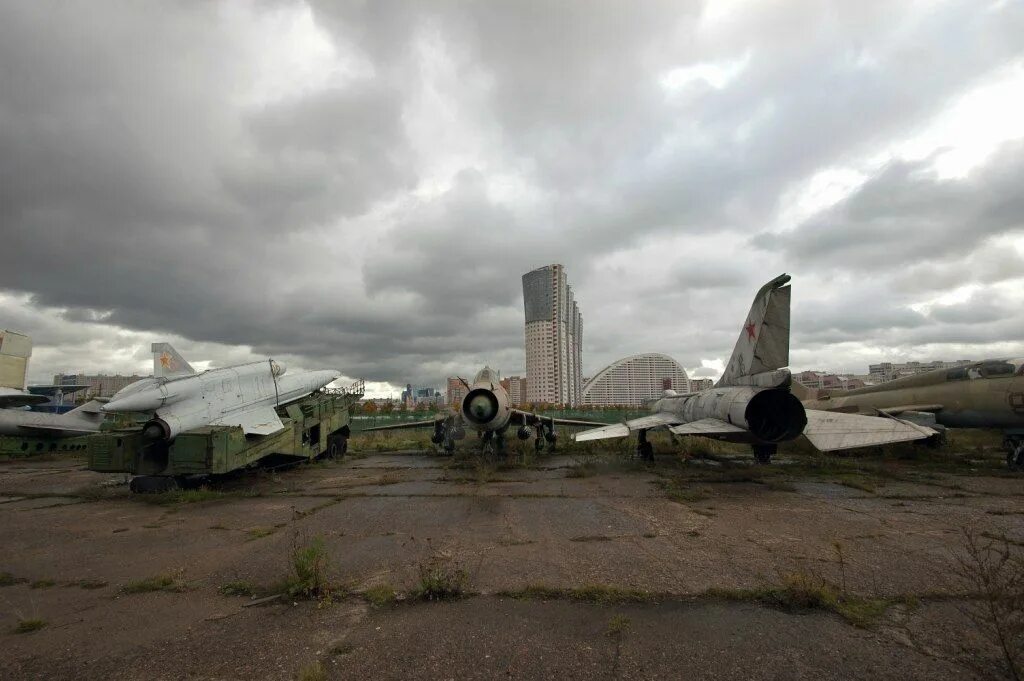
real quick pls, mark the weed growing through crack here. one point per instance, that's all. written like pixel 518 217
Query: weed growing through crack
pixel 168 581
pixel 440 580
pixel 238 587
pixel 7 579
pixel 800 591
pixel 313 671
pixel 309 568
pixel 380 595
pixel 28 626
pixel 259 532
pixel 617 625
pixel 992 568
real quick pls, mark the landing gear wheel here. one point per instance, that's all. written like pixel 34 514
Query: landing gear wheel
pixel 152 484
pixel 763 453
pixel 645 450
pixel 449 447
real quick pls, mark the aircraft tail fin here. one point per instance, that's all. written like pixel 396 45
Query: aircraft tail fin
pixel 15 349
pixel 763 345
pixel 167 363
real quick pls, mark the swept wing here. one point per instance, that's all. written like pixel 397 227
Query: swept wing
pixel 260 421
pixel 658 420
pixel 830 431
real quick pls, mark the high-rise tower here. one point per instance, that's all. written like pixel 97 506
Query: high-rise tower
pixel 554 337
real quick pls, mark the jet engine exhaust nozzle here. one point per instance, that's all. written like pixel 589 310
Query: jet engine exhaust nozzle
pixel 775 416
pixel 155 430
pixel 480 406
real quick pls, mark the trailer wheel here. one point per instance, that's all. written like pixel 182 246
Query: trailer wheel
pixel 337 445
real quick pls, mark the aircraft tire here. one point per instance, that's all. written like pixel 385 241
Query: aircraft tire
pixel 646 451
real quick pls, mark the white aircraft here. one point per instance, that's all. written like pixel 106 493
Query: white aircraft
pixel 752 401
pixel 178 399
pixel 15 350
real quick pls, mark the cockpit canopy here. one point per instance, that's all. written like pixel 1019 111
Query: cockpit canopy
pixel 990 368
pixel 487 375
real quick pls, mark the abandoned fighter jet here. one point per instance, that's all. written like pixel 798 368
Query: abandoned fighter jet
pixel 752 401
pixel 987 394
pixel 486 409
pixel 79 421
pixel 177 399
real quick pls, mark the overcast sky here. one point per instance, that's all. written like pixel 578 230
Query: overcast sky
pixel 361 185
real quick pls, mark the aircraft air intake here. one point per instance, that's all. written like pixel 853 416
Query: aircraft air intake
pixel 480 406
pixel 775 416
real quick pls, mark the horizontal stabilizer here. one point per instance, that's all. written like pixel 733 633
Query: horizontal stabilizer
pixel 830 431
pixel 706 427
pixel 17 400
pixel 261 421
pixel 603 433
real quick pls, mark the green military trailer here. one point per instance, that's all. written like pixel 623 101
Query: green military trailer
pixel 315 426
pixel 18 446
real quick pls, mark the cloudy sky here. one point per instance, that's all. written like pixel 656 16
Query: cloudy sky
pixel 361 185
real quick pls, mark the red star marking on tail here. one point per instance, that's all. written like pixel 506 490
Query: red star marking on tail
pixel 750 328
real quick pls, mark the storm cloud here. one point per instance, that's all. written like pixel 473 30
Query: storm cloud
pixel 361 185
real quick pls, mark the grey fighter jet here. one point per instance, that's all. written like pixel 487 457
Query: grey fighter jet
pixel 177 399
pixel 486 409
pixel 752 401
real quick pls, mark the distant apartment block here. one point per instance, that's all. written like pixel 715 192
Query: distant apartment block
pixel 100 385
pixel 823 380
pixel 456 391
pixel 698 384
pixel 515 386
pixel 554 338
pixel 635 380
pixel 888 371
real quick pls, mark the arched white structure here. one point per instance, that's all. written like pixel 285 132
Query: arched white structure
pixel 634 380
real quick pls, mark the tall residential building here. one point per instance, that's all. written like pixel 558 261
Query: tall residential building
pixel 554 338
pixel 635 380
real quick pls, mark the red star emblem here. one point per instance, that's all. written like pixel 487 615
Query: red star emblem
pixel 750 328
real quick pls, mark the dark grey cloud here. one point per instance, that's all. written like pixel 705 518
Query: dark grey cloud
pixel 378 217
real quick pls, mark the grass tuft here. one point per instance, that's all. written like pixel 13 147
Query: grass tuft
pixel 28 626
pixel 380 595
pixel 7 579
pixel 168 581
pixel 440 581
pixel 259 532
pixel 42 584
pixel 617 625
pixel 238 587
pixel 313 672
pixel 799 591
